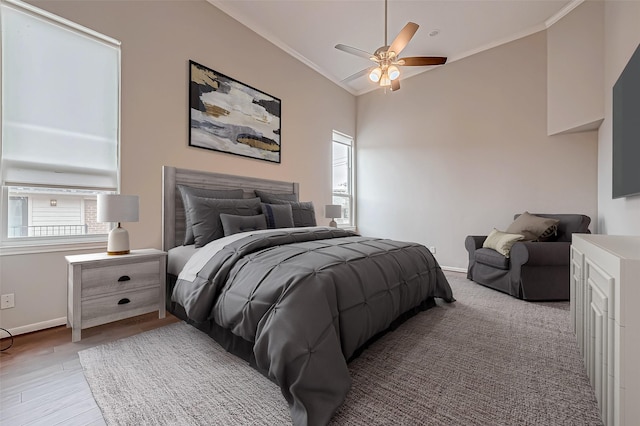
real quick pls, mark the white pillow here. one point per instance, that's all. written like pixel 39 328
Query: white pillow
pixel 501 241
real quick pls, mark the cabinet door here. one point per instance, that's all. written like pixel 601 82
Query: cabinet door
pixel 576 295
pixel 597 348
pixel 601 338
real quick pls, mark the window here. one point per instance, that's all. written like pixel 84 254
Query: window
pixel 343 177
pixel 60 125
pixel 53 212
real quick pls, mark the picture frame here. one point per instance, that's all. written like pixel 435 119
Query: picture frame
pixel 228 116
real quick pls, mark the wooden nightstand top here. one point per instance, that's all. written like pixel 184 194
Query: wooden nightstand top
pixel 103 256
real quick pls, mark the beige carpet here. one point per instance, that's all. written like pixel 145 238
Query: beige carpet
pixel 487 359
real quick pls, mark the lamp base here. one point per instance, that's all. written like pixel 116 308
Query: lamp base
pixel 118 253
pixel 333 224
pixel 118 242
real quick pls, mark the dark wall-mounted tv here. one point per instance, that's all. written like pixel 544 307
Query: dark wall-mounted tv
pixel 626 130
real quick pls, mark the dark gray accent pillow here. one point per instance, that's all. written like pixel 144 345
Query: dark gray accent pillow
pixel 205 216
pixel 268 197
pixel 278 215
pixel 233 224
pixel 549 235
pixel 303 212
pixel 187 191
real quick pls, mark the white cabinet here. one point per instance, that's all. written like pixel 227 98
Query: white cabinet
pixel 103 288
pixel 605 314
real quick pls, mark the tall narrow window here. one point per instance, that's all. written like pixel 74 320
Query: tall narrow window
pixel 343 177
pixel 60 124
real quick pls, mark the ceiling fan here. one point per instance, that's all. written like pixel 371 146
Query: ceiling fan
pixel 386 72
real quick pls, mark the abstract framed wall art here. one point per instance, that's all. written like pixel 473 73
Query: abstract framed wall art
pixel 229 116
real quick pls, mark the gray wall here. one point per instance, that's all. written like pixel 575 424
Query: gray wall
pixel 460 149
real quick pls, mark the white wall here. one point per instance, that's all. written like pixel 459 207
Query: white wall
pixel 575 70
pixel 622 36
pixel 461 149
pixel 158 39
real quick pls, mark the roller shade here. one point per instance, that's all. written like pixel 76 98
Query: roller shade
pixel 60 96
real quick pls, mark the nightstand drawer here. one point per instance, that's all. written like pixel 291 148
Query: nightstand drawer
pixel 101 310
pixel 118 278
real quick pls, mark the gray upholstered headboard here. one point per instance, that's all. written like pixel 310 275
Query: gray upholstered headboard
pixel 173 214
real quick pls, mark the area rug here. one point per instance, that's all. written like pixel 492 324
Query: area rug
pixel 487 359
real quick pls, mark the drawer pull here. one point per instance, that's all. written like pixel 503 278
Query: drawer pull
pixel 124 278
pixel 123 301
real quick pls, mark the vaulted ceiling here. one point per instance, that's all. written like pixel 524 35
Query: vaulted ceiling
pixel 309 29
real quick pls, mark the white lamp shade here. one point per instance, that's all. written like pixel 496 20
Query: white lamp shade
pixel 117 208
pixel 331 211
pixel 375 74
pixel 393 72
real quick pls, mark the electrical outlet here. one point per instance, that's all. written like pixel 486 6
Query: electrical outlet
pixel 7 301
pixel 432 249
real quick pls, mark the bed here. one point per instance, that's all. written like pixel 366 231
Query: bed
pixel 296 302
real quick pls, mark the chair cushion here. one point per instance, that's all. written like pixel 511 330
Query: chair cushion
pixel 490 257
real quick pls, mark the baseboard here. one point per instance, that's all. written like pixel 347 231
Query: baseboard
pixel 62 321
pixel 453 269
pixel 38 326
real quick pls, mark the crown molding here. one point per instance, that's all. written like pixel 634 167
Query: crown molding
pixel 264 33
pixel 496 43
pixel 563 12
pixel 267 35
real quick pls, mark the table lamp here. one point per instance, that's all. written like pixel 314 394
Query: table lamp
pixel 117 208
pixel 331 211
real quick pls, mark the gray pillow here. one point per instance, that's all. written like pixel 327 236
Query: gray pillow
pixel 531 227
pixel 303 212
pixel 268 197
pixel 187 191
pixel 205 216
pixel 278 215
pixel 233 224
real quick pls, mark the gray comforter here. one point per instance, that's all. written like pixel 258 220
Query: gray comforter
pixel 309 299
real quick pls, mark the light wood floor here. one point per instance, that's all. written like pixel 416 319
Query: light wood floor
pixel 41 379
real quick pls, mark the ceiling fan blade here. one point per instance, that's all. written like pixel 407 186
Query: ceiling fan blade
pixel 395 84
pixel 359 74
pixel 354 51
pixel 403 38
pixel 418 61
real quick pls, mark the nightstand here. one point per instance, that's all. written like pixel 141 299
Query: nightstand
pixel 103 288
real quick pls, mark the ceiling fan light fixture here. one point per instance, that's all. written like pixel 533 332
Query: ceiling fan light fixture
pixel 386 72
pixel 385 81
pixel 393 72
pixel 375 74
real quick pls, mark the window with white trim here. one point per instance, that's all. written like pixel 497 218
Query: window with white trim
pixel 343 177
pixel 60 125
